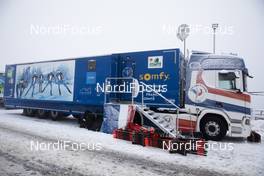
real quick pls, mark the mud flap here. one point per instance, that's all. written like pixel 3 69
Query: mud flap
pixel 254 137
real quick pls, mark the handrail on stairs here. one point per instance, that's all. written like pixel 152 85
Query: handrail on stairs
pixel 167 100
pixel 136 90
pixel 107 82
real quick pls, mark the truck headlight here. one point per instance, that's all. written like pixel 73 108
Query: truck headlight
pixel 247 121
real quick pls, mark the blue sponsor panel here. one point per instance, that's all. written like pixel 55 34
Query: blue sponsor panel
pixel 158 69
pixel 90 77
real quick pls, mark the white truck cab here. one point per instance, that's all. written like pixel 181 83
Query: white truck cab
pixel 216 91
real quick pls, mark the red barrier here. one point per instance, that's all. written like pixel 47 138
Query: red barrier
pixel 148 137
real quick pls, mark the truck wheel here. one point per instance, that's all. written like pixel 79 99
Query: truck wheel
pixel 55 115
pixel 213 128
pixel 30 112
pixel 41 113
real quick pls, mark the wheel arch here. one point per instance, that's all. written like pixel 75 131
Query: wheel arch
pixel 209 113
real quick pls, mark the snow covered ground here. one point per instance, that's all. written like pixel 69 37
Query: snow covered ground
pixel 112 156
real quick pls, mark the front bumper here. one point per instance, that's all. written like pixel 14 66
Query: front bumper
pixel 242 129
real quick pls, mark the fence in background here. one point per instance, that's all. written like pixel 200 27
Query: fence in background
pixel 259 114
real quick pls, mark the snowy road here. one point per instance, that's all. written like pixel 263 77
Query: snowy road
pixel 116 157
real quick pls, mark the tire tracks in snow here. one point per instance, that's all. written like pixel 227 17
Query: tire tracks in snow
pixel 118 158
pixel 40 167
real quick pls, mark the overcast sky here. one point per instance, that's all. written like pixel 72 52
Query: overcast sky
pixel 34 30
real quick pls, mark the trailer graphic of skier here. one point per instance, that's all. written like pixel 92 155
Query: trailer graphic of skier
pixel 41 81
pixel 32 85
pixel 50 81
pixel 61 81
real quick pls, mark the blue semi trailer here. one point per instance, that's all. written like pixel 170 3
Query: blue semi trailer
pixel 76 86
pixel 206 93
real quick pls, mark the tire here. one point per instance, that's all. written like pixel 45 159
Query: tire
pixel 29 112
pixel 82 122
pixel 87 121
pixel 77 116
pixel 55 115
pixel 97 123
pixel 41 113
pixel 65 114
pixel 213 128
pixel 24 112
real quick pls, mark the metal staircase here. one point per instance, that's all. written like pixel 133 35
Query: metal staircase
pixel 154 117
pixel 157 120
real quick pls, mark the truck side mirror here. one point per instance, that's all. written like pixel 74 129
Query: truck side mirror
pixel 237 75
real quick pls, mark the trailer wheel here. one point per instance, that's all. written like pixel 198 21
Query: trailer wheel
pixel 97 123
pixel 24 112
pixel 213 128
pixel 30 112
pixel 65 114
pixel 42 113
pixel 77 116
pixel 82 122
pixel 55 115
pixel 87 121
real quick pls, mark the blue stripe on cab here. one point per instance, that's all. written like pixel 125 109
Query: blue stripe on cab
pixel 226 106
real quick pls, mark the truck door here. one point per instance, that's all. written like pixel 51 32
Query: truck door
pixel 231 92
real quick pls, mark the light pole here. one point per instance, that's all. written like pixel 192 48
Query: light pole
pixel 214 26
pixel 182 34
